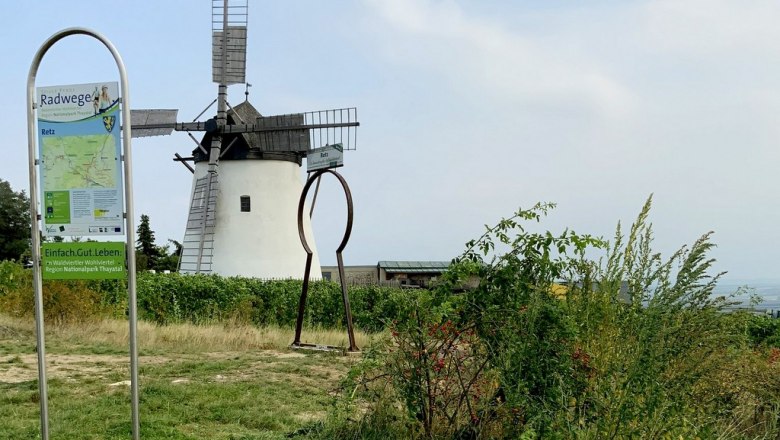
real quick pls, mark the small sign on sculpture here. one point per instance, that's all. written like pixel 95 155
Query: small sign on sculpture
pixel 329 156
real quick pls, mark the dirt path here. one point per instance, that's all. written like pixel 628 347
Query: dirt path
pixel 17 368
pixel 22 368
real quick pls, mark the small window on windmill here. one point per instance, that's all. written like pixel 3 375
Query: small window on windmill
pixel 246 204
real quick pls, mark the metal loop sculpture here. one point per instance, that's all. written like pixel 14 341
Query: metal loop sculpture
pixel 309 253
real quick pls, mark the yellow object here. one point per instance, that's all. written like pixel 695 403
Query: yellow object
pixel 559 290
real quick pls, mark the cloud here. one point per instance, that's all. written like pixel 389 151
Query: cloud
pixel 594 107
pixel 703 27
pixel 480 57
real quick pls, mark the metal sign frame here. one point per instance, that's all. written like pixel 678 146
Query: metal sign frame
pixel 35 218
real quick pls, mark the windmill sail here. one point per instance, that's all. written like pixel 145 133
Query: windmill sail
pixel 228 33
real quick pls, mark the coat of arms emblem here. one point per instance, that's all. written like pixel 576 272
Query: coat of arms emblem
pixel 108 122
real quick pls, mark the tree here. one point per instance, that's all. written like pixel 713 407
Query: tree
pixel 169 260
pixel 14 222
pixel 147 252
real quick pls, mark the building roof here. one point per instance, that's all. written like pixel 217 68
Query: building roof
pixel 350 267
pixel 414 266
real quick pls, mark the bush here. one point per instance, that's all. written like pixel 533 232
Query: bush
pixel 636 346
pixel 169 298
pixel 63 301
pixel 13 276
pixel 174 298
pixel 763 331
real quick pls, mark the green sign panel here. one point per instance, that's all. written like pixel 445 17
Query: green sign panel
pixel 83 261
pixel 57 204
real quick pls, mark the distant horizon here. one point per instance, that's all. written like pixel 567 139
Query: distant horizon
pixel 725 280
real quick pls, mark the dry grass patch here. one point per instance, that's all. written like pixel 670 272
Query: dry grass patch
pixel 179 338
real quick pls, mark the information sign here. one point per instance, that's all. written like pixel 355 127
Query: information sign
pixel 90 260
pixel 329 156
pixel 80 157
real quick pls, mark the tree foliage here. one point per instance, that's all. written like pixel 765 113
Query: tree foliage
pixel 14 222
pixel 145 237
pixel 147 252
pixel 150 256
pixel 168 259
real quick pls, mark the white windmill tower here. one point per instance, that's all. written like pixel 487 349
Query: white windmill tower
pixel 247 177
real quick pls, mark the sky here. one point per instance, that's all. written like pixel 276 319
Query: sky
pixel 468 110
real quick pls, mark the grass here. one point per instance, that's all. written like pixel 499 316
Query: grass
pixel 196 382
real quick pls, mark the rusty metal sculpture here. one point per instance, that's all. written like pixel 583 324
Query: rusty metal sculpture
pixel 305 289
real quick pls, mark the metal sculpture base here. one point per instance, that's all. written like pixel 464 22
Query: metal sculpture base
pixel 342 278
pixel 317 347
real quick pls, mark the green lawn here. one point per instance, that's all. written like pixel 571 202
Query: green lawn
pixel 188 391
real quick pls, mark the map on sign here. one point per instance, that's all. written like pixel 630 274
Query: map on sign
pixel 75 162
pixel 80 154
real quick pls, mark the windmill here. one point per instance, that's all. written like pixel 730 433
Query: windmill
pixel 246 173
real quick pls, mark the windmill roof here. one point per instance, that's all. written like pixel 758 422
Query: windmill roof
pixel 247 113
pixel 280 145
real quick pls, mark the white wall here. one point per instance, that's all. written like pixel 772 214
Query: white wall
pixel 264 242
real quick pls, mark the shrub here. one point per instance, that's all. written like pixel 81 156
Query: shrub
pixel 63 301
pixel 13 276
pixel 171 298
pixel 497 360
pixel 531 339
pixel 763 331
pixel 636 347
pixel 168 298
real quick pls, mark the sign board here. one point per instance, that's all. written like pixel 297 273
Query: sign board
pixel 329 156
pixel 83 260
pixel 80 159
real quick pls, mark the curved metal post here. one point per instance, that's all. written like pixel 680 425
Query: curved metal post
pixel 305 289
pixel 35 217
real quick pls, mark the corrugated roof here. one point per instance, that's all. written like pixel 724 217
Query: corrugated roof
pixel 414 266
